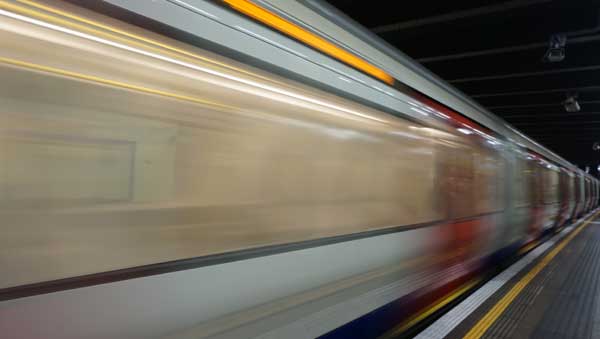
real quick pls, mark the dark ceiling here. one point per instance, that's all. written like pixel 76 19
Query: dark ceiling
pixel 494 51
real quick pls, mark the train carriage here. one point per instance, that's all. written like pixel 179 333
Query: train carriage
pixel 204 171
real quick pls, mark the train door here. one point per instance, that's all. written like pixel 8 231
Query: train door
pixel 535 197
pixel 469 181
pixel 576 197
pixel 580 194
pixel 595 201
pixel 564 197
pixel 572 196
pixel 550 196
pixel 521 203
pixel 586 188
pixel 455 184
pixel 592 193
pixel 597 193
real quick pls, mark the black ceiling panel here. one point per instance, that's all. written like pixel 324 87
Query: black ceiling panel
pixel 519 63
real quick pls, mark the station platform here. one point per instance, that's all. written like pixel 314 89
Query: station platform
pixel 551 292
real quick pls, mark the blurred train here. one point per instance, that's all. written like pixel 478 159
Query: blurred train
pixel 241 169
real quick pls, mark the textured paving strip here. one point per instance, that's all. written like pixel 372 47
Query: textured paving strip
pixel 472 308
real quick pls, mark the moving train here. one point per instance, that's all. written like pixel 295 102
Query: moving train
pixel 242 169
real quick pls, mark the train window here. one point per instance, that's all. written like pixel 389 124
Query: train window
pixel 470 181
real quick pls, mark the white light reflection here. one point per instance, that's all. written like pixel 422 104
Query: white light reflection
pixel 421 150
pixel 408 135
pixel 187 65
pixel 432 131
pixel 335 132
pixel 195 9
pixel 479 132
pixel 442 115
pixel 258 36
pixel 464 131
pixel 383 91
pixel 419 111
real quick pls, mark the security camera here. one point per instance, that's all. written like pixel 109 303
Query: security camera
pixel 555 54
pixel 556 48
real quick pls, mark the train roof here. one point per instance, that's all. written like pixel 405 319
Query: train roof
pixel 215 25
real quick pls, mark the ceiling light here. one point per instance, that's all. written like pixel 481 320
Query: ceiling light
pixel 571 104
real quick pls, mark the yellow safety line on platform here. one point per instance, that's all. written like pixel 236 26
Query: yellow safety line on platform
pixel 484 323
pixel 443 301
pixel 529 247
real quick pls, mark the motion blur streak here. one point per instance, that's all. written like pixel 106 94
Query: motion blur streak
pixel 167 47
pixel 131 144
pixel 248 196
pixel 107 82
pixel 277 90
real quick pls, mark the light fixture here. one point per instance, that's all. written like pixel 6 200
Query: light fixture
pixel 571 105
